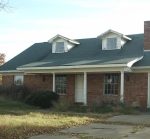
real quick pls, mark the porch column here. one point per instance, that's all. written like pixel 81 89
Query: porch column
pixel 85 88
pixel 53 82
pixel 122 87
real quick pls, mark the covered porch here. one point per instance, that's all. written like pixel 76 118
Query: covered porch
pixel 82 85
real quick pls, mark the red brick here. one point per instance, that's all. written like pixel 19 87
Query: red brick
pixel 147 35
pixel 135 89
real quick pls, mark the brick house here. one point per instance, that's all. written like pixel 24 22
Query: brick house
pixel 85 69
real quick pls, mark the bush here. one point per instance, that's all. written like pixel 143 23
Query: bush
pixel 14 92
pixel 61 106
pixel 107 105
pixel 43 99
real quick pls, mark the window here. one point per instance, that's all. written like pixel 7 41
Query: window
pixel 60 84
pixel 111 43
pixel 59 47
pixel 111 84
pixel 18 79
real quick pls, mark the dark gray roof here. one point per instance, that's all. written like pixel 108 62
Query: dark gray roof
pixel 145 61
pixel 88 52
pixel 34 53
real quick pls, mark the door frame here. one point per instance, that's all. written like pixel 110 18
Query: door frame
pixel 76 87
pixel 148 91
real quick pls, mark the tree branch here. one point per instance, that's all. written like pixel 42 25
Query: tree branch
pixel 5 6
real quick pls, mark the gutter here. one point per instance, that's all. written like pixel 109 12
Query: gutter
pixel 129 64
pixel 74 67
pixel 12 71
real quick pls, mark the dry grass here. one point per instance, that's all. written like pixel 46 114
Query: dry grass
pixel 19 121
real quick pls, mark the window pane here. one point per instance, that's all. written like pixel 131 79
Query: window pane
pixel 60 84
pixel 111 84
pixel 18 80
pixel 59 47
pixel 111 43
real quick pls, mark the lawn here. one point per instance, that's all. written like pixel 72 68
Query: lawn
pixel 20 121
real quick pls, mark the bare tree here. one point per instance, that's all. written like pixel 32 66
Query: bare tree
pixel 5 6
pixel 2 58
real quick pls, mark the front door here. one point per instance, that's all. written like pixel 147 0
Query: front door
pixel 148 95
pixel 79 88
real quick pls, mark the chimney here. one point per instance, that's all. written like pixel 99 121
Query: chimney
pixel 146 35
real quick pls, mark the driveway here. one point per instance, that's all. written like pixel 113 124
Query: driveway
pixel 113 131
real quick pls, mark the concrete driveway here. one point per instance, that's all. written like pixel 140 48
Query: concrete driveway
pixel 113 131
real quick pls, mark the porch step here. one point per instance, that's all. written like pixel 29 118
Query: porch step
pixel 78 103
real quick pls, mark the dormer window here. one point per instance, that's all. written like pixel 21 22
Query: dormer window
pixel 59 48
pixel 111 43
pixel 112 40
pixel 61 44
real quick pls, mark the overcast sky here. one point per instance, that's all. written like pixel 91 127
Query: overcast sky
pixel 32 21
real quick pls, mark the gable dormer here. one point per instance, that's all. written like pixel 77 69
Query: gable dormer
pixel 112 40
pixel 61 44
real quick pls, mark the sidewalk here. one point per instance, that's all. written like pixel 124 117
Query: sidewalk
pixel 139 119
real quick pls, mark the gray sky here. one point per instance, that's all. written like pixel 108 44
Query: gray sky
pixel 34 21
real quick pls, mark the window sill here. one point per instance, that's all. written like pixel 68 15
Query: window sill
pixel 111 95
pixel 62 94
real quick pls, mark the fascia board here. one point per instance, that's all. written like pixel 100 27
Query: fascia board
pixel 12 71
pixel 74 67
pixel 108 31
pixel 67 39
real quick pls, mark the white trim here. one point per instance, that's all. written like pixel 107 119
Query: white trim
pixel 100 36
pixel 146 50
pixel 53 82
pixel 141 67
pixel 122 87
pixel 119 34
pixel 85 88
pixel 72 41
pixel 74 67
pixel 129 64
pixel 148 91
pixel 8 71
pixel 65 38
pixel 128 69
pixel 126 37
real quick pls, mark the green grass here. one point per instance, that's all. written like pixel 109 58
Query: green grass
pixel 12 107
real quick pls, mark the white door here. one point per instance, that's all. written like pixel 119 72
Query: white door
pixel 148 95
pixel 79 88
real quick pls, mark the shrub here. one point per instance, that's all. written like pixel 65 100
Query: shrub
pixel 14 92
pixel 102 106
pixel 108 100
pixel 61 105
pixel 43 99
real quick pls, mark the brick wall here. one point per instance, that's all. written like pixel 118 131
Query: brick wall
pixel 39 82
pixel 45 82
pixel 94 87
pixel 70 89
pixel 147 35
pixel 135 88
pixel 7 80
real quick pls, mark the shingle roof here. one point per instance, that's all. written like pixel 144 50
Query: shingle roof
pixel 88 52
pixel 34 53
pixel 145 61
